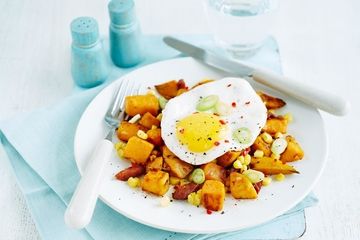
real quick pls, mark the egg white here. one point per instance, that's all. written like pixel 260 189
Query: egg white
pixel 250 112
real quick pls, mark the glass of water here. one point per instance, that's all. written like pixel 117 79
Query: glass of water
pixel 240 26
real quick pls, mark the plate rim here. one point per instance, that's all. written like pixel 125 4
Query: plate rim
pixel 221 230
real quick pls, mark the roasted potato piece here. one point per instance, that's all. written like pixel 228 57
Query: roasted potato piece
pixel 154 136
pixel 270 101
pixel 138 150
pixel 214 172
pixel 140 104
pixel 228 158
pixel 275 124
pixel 127 130
pixel 178 168
pixel 156 182
pixel 168 90
pixel 154 165
pixel 148 120
pixel 260 144
pixel 293 151
pixel 241 187
pixel 270 166
pixel 213 195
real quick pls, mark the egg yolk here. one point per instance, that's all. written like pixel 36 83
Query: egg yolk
pixel 199 131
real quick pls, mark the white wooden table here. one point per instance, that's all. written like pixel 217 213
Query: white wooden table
pixel 319 43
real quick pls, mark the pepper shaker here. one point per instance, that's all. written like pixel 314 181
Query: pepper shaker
pixel 125 34
pixel 89 66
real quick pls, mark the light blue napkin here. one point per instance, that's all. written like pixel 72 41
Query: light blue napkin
pixel 40 149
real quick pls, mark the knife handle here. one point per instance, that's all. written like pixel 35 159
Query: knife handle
pixel 318 98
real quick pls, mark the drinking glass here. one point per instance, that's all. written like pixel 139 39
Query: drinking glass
pixel 240 26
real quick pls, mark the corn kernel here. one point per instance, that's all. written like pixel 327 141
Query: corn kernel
pixel 247 159
pixel 275 156
pixel 164 201
pixel 279 177
pixel 174 180
pixel 244 168
pixel 120 153
pixel 267 137
pixel 237 164
pixel 133 182
pixel 184 181
pixel 289 117
pixel 271 111
pixel 266 181
pixel 258 154
pixel 151 92
pixel 153 127
pixel 119 145
pixel 135 118
pixel 141 134
pixel 278 135
pixel 241 159
pixel 194 198
pixel 159 117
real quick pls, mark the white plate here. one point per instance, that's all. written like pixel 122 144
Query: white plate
pixel 274 200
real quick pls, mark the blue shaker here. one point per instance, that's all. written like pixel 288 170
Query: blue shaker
pixel 125 34
pixel 89 66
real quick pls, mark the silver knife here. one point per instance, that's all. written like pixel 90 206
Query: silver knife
pixel 317 98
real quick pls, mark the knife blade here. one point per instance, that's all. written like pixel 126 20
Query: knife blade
pixel 317 98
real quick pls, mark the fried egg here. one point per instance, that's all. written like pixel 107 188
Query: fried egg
pixel 212 119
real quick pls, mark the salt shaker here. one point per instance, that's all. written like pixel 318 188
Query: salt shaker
pixel 89 66
pixel 125 34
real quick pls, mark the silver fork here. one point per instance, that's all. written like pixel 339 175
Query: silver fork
pixel 81 208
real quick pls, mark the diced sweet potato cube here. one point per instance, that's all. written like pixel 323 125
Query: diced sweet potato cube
pixel 127 130
pixel 270 101
pixel 168 90
pixel 154 136
pixel 140 104
pixel 156 164
pixel 270 166
pixel 148 120
pixel 214 172
pixel 213 195
pixel 241 187
pixel 156 182
pixel 178 168
pixel 228 158
pixel 138 150
pixel 260 144
pixel 276 124
pixel 293 151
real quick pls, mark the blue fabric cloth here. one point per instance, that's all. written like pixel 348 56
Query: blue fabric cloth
pixel 40 149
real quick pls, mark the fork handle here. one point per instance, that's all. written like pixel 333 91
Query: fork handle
pixel 81 208
pixel 318 98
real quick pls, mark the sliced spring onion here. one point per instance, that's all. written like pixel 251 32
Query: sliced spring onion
pixel 254 176
pixel 242 135
pixel 278 146
pixel 162 102
pixel 198 176
pixel 207 103
pixel 222 108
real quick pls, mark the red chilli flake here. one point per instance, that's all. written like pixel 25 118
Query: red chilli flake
pixel 208 211
pixel 222 122
pixel 226 141
pixel 233 104
pixel 216 143
pixel 245 151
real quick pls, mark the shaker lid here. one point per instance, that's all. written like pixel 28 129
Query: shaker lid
pixel 84 31
pixel 121 12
